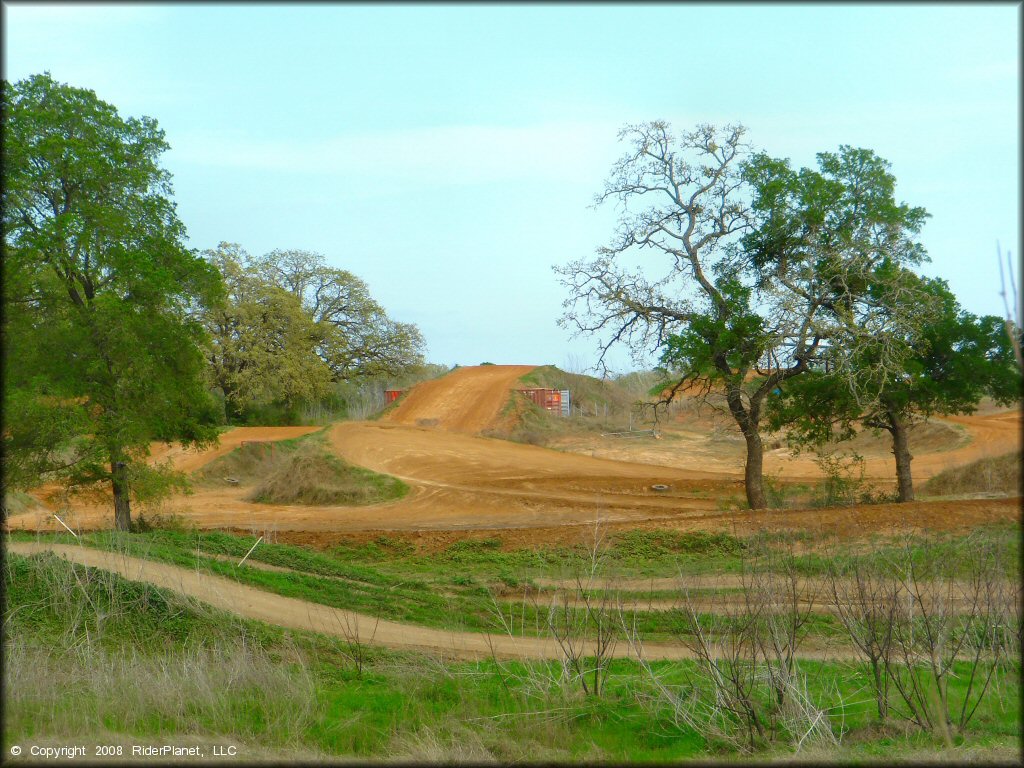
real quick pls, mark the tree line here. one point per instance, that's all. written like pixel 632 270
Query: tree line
pixel 115 334
pixel 792 292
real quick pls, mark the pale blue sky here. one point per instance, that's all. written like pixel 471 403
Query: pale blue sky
pixel 448 154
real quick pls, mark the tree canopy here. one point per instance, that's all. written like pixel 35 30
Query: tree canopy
pixel 358 337
pixel 757 269
pixel 262 341
pixel 289 325
pixel 101 345
pixel 955 360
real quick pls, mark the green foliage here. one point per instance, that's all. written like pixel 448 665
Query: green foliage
pixel 39 430
pixel 289 326
pixel 843 483
pixel 819 219
pixel 779 494
pixel 953 361
pixel 656 544
pixel 356 336
pixel 262 341
pixel 101 342
pixel 723 343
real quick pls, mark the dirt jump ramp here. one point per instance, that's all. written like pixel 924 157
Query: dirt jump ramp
pixel 466 400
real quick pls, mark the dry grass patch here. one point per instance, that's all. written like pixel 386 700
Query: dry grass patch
pixel 995 474
pixel 301 471
pixel 311 475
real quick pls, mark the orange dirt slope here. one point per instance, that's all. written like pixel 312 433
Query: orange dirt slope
pixel 466 400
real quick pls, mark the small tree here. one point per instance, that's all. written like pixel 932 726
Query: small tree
pixel 1013 316
pixel 101 347
pixel 956 359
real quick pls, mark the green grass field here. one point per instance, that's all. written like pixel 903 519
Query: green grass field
pixel 463 586
pixel 91 653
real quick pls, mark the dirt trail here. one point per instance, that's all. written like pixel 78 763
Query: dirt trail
pixel 707 593
pixel 989 435
pixel 986 435
pixel 466 400
pixel 253 603
pixel 241 600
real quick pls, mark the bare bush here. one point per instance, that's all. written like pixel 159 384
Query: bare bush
pixel 747 690
pixel 921 617
pixel 583 622
pixel 357 641
pixel 773 584
pixel 865 601
pixel 952 613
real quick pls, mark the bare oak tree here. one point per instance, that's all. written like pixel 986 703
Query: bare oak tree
pixel 759 270
pixel 688 189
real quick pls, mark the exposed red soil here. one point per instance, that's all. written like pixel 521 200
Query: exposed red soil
pixel 466 485
pixel 466 400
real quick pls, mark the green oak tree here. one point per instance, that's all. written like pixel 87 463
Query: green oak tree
pixel 290 325
pixel 956 359
pixel 358 338
pixel 263 342
pixel 101 341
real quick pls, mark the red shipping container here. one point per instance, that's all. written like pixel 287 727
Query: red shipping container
pixel 548 399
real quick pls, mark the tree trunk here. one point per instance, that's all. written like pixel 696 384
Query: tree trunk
pixel 752 473
pixel 901 450
pixel 122 504
pixel 881 690
pixel 747 420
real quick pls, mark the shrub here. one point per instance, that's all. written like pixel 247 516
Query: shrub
pixel 310 475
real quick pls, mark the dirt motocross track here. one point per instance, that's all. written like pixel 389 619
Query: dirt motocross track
pixel 461 482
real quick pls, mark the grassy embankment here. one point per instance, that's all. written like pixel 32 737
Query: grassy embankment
pixel 997 475
pixel 464 586
pixel 606 406
pixel 299 471
pixel 90 654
